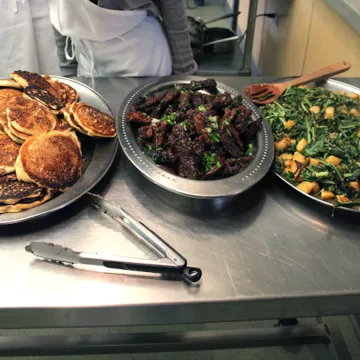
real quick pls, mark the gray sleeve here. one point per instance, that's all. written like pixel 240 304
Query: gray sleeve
pixel 176 27
pixel 67 67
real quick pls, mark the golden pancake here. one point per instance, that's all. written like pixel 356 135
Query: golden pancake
pixel 9 151
pixel 2 130
pixel 28 203
pixel 93 121
pixel 71 94
pixel 9 83
pixel 51 160
pixel 4 122
pixel 16 133
pixel 12 190
pixel 29 117
pixel 71 121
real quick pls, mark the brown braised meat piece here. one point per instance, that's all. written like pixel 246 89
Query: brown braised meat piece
pixel 229 116
pixel 160 133
pixel 170 97
pixel 146 132
pixel 199 146
pixel 201 99
pixel 157 111
pixel 206 136
pixel 212 173
pixel 199 121
pixel 236 136
pixel 237 101
pixel 185 101
pixel 221 101
pixel 150 102
pixel 179 141
pixel 137 117
pixel 234 166
pixel 251 129
pixel 230 145
pixel 187 167
pixel 208 84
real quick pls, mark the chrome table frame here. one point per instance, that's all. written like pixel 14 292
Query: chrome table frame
pixel 272 254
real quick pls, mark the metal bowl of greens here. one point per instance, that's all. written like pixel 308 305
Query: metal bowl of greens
pixel 316 131
pixel 148 156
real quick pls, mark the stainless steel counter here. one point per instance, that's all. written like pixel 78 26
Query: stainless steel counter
pixel 273 254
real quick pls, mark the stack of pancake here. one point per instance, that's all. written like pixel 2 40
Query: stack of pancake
pixel 40 154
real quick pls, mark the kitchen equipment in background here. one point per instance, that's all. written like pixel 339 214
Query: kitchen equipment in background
pixel 267 93
pixel 202 36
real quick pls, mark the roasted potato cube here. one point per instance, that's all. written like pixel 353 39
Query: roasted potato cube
pixel 301 145
pixel 358 133
pixel 343 93
pixel 331 135
pixel 286 156
pixel 308 187
pixel 354 112
pixel 342 198
pixel 333 160
pixel 282 144
pixel 327 195
pixel 289 124
pixel 329 112
pixel 343 109
pixel 300 158
pixel 288 163
pixel 354 185
pixel 315 109
pixel 292 141
pixel 353 96
pixel 287 170
pixel 314 161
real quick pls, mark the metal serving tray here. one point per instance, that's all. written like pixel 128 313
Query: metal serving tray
pixel 195 189
pixel 98 156
pixel 332 85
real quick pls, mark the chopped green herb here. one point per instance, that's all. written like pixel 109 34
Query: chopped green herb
pixel 214 137
pixel 170 119
pixel 202 108
pixel 218 164
pixel 177 86
pixel 208 129
pixel 228 132
pixel 249 149
pixel 209 161
pixel 212 118
pixel 227 122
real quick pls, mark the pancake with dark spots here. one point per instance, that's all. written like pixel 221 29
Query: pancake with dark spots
pixel 93 121
pixel 29 117
pixel 27 78
pixel 9 151
pixel 44 97
pixel 28 203
pixel 12 190
pixel 51 160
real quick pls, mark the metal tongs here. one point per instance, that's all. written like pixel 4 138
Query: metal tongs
pixel 170 262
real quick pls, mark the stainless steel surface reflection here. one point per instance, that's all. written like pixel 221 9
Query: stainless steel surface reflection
pixel 272 253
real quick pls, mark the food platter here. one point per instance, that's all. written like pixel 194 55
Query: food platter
pixel 334 86
pixel 199 189
pixel 98 155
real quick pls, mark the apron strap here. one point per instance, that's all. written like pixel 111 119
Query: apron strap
pixel 67 56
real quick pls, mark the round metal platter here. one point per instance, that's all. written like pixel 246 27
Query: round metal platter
pixel 99 154
pixel 200 189
pixel 332 85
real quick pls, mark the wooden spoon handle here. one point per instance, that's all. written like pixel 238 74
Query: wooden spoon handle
pixel 325 72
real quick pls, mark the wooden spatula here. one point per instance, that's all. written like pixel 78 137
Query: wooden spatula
pixel 267 93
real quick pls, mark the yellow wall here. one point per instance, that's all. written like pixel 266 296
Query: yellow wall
pixel 310 35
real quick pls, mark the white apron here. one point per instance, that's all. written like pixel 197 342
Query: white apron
pixel 27 38
pixel 111 42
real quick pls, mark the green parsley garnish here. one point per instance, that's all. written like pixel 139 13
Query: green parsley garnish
pixel 202 108
pixel 214 137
